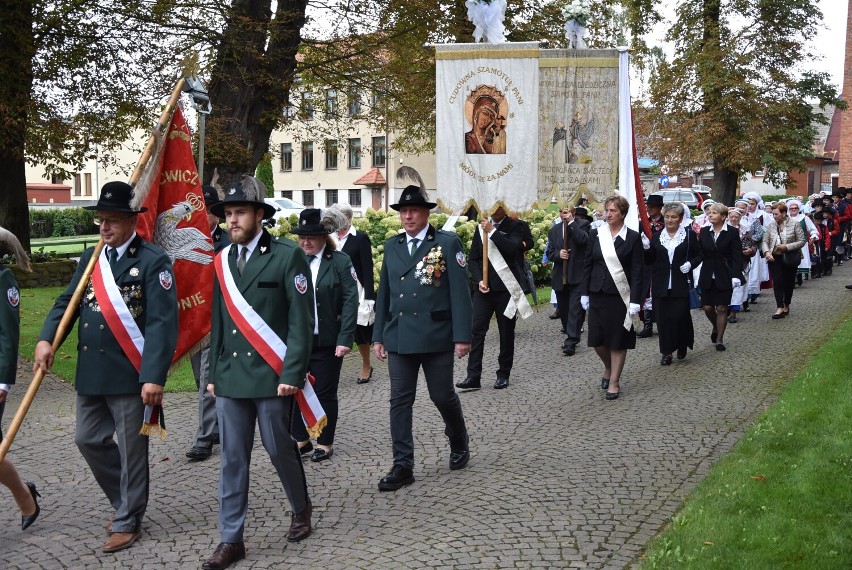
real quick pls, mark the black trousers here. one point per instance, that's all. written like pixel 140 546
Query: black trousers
pixel 783 281
pixel 571 313
pixel 325 368
pixel 484 306
pixel 403 370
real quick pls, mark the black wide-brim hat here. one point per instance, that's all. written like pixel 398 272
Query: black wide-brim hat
pixel 236 194
pixel 310 223
pixel 211 196
pixel 413 196
pixel 116 197
pixel 654 200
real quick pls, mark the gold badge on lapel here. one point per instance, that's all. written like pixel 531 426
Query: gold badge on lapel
pixel 134 272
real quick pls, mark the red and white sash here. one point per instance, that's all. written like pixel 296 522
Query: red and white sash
pixel 115 312
pixel 266 342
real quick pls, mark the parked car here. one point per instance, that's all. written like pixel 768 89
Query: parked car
pixel 688 196
pixel 703 190
pixel 284 207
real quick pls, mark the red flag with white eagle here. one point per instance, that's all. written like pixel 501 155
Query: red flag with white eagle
pixel 176 221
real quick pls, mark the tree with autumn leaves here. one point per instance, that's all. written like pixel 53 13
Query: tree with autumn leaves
pixel 738 92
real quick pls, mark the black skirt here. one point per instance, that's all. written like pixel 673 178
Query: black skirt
pixel 714 297
pixel 606 323
pixel 363 334
pixel 674 323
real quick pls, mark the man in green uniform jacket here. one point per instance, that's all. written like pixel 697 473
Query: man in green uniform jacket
pixel 107 381
pixel 271 291
pixel 423 316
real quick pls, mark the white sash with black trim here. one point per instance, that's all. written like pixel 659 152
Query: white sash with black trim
pixel 116 313
pixel 616 271
pixel 266 342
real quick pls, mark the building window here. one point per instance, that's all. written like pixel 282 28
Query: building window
pixel 355 197
pixel 379 154
pixel 307 106
pixel 78 190
pixel 87 187
pixel 308 198
pixel 330 103
pixel 354 153
pixel 57 179
pixel 286 157
pixel 330 155
pixel 330 198
pixel 307 156
pixel 354 103
pixel 287 194
pixel 375 99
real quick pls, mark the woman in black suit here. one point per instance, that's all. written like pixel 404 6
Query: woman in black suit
pixel 335 309
pixel 671 254
pixel 358 247
pixel 721 270
pixel 612 298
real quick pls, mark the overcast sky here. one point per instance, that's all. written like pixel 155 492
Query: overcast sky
pixel 831 38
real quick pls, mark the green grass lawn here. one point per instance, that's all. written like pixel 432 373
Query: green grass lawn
pixel 783 497
pixel 73 245
pixel 36 303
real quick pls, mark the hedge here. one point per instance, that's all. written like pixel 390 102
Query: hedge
pixel 381 226
pixel 60 222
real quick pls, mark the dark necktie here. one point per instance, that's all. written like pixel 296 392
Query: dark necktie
pixel 241 262
pixel 413 246
pixel 112 256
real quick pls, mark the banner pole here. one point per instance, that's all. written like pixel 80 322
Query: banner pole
pixel 71 309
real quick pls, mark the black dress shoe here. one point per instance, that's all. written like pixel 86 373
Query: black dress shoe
pixel 321 454
pixel 300 525
pixel 613 395
pixel 365 380
pixel 721 347
pixel 469 384
pixel 501 383
pixel 778 316
pixel 27 520
pixel 198 453
pixel 397 478
pixel 458 459
pixel 225 554
pixel 681 353
pixel 569 350
pixel 306 449
pixel 666 359
pixel 604 383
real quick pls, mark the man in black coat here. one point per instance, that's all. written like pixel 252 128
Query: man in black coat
pixel 569 272
pixel 506 235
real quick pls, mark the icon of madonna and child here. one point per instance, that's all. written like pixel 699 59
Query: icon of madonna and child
pixel 486 110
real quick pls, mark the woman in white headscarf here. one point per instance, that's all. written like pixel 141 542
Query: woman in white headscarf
pixel 795 212
pixel 701 219
pixel 756 220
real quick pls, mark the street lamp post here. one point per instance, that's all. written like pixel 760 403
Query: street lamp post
pixel 201 103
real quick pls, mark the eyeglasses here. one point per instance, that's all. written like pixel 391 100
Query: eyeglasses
pixel 111 221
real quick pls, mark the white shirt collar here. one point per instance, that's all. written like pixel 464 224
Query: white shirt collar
pixel 420 236
pixel 123 247
pixel 250 246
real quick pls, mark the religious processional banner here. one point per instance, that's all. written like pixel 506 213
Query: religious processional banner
pixel 578 135
pixel 487 125
pixel 176 221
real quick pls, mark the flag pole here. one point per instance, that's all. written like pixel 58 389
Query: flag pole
pixel 484 255
pixel 71 309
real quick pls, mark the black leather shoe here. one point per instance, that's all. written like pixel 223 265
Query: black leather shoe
pixel 365 380
pixel 469 384
pixel 459 459
pixel 569 350
pixel 198 453
pixel 225 554
pixel 613 395
pixel 306 449
pixel 666 359
pixel 501 383
pixel 300 525
pixel 604 383
pixel 321 454
pixel 720 347
pixel 397 478
pixel 681 353
pixel 27 520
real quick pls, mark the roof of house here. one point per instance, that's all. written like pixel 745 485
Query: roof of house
pixel 372 178
pixel 830 134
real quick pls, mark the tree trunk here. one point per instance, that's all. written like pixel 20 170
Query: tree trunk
pixel 250 84
pixel 724 183
pixel 16 53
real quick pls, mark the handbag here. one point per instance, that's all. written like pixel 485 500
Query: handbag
pixel 791 258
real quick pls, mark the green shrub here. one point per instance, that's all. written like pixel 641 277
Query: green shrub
pixel 58 222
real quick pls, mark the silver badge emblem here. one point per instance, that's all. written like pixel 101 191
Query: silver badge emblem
pixel 134 272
